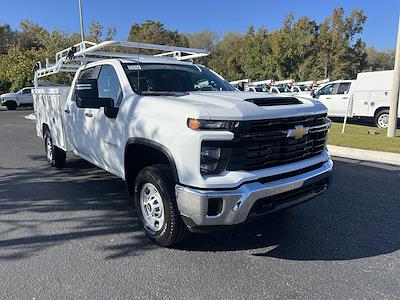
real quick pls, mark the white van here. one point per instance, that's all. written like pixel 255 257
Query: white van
pixel 369 95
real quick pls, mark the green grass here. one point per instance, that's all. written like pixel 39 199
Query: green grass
pixel 356 136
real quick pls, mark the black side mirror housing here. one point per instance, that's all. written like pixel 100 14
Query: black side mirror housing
pixel 87 95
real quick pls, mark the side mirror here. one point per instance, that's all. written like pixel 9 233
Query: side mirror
pixel 87 95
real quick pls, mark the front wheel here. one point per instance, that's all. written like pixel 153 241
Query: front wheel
pixel 382 119
pixel 11 105
pixel 156 205
pixel 55 156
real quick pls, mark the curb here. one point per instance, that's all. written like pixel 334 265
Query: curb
pixel 365 155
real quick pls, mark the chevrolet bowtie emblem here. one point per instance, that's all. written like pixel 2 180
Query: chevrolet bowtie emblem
pixel 298 132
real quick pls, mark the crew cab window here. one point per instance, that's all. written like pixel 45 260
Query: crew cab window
pixel 27 91
pixel 161 79
pixel 108 84
pixel 326 90
pixel 343 88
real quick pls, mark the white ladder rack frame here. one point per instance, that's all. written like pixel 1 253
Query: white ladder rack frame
pixel 87 52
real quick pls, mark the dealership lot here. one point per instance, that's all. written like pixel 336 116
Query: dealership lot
pixel 72 233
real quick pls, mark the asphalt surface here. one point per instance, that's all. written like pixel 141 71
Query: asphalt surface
pixel 73 234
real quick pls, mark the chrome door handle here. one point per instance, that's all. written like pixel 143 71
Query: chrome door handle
pixel 89 115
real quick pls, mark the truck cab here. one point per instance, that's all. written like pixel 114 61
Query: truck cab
pixel 196 153
pixel 335 96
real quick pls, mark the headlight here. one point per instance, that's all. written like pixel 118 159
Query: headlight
pixel 213 159
pixel 197 124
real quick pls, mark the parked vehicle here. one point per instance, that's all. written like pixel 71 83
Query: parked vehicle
pixel 301 89
pixel 195 153
pixel 366 97
pixel 21 98
pixel 282 88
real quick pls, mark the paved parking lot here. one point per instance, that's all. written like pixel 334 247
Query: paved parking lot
pixel 72 233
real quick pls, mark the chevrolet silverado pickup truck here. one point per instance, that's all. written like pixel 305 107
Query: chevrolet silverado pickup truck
pixel 196 154
pixel 21 98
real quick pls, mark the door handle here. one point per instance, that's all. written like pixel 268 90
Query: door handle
pixel 67 111
pixel 328 98
pixel 89 115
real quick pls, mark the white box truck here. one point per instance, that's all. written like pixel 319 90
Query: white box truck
pixel 195 153
pixel 366 97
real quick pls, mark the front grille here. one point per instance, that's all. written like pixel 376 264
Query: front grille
pixel 264 143
pixel 268 204
pixel 272 101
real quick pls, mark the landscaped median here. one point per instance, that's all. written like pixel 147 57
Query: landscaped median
pixel 357 143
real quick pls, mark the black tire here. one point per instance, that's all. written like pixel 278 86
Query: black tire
pixel 57 156
pixel 378 118
pixel 11 105
pixel 173 229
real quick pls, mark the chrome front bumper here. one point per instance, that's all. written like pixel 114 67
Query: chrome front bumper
pixel 237 203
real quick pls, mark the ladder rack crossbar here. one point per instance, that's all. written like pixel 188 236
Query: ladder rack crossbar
pixel 70 59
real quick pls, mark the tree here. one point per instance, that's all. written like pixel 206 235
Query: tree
pixel 7 36
pixel 379 60
pixel 226 57
pixel 202 40
pixel 96 32
pixel 155 33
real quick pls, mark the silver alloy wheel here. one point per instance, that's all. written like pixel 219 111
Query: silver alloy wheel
pixel 49 149
pixel 152 207
pixel 383 121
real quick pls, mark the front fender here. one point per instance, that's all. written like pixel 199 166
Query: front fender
pixel 14 99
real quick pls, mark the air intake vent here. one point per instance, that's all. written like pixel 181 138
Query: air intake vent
pixel 273 101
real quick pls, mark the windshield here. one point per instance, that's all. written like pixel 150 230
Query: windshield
pixel 153 79
pixel 304 88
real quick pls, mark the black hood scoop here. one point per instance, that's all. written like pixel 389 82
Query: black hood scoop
pixel 273 101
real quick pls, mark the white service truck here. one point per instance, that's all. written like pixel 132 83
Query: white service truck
pixel 195 153
pixel 366 97
pixel 21 98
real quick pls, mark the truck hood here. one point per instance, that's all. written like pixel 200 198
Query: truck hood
pixel 232 105
pixel 8 95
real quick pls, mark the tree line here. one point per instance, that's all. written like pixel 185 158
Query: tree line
pixel 302 49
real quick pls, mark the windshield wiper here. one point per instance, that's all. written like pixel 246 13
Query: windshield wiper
pixel 163 93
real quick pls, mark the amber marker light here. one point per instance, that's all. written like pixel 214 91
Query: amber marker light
pixel 193 124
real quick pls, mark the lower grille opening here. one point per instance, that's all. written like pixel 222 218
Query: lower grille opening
pixel 265 205
pixel 214 207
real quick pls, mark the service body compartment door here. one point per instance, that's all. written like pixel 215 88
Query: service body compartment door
pixel 361 104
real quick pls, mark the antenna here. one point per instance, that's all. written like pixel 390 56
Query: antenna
pixel 81 21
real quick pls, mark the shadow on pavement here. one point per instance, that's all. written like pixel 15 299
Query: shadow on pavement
pixel 358 217
pixel 79 201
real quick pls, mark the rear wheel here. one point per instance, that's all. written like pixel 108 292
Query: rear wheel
pixel 382 118
pixel 55 156
pixel 11 105
pixel 156 205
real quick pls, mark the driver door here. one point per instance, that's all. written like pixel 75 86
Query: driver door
pixel 105 137
pixel 340 99
pixel 324 95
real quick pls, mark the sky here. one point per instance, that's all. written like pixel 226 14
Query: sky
pixel 221 16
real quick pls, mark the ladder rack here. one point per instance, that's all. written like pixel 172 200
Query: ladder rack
pixel 71 59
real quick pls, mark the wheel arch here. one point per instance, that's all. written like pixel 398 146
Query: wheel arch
pixel 379 109
pixel 140 153
pixel 45 127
